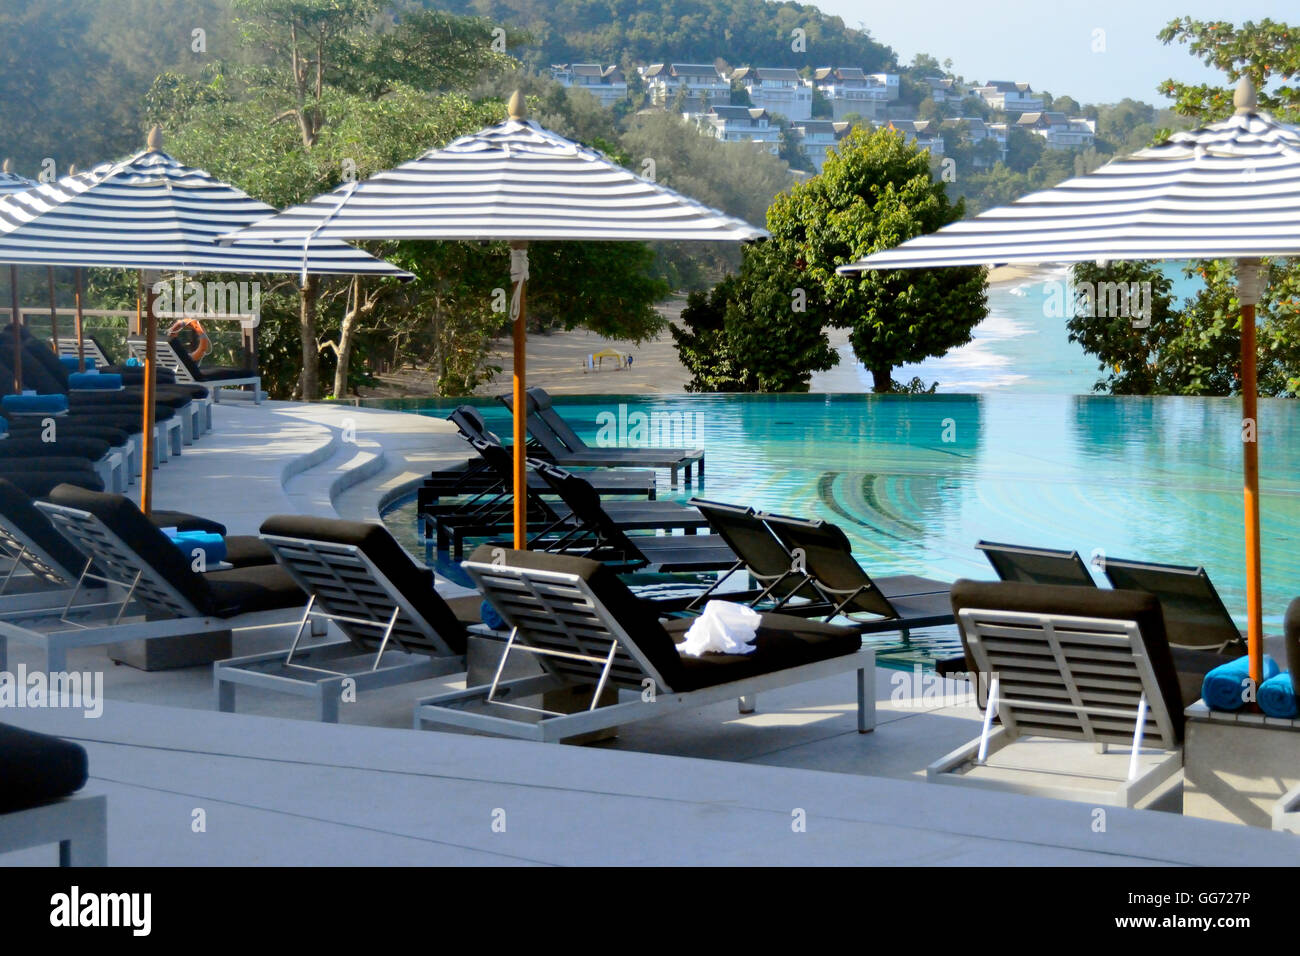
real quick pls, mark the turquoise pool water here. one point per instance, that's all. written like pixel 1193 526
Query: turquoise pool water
pixel 915 481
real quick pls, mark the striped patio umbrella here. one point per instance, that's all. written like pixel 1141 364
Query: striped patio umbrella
pixel 514 181
pixel 1229 190
pixel 152 213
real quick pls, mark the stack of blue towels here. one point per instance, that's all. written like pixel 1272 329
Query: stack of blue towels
pixel 1222 688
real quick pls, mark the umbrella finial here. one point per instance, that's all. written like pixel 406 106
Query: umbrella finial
pixel 155 140
pixel 1245 99
pixel 72 169
pixel 516 106
pixel 8 166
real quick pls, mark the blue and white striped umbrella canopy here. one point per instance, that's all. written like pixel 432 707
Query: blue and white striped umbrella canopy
pixel 152 212
pixel 13 183
pixel 1228 190
pixel 514 181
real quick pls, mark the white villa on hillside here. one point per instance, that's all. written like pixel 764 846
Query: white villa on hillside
pixel 607 84
pixel 819 137
pixel 975 131
pixel 927 134
pixel 1009 97
pixel 852 91
pixel 778 90
pixel 1060 131
pixel 700 82
pixel 943 88
pixel 739 124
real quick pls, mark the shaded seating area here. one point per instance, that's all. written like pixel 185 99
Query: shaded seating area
pixel 1073 664
pixel 188 372
pixel 398 629
pixel 588 632
pixel 169 615
pixel 39 803
pixel 556 441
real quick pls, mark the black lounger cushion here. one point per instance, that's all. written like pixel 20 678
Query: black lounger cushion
pixel 37 768
pixel 1137 606
pixel 250 589
pixel 40 483
pixel 415 583
pixel 184 521
pixel 783 641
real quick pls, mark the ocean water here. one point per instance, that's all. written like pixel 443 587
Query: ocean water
pixel 1018 347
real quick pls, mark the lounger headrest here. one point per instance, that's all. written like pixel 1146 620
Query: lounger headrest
pixel 1066 600
pixel 635 616
pixel 415 583
pixel 17 509
pixel 540 400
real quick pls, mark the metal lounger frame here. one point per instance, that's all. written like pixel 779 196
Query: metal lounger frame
pixel 171 614
pixel 1105 693
pixel 356 593
pixel 62 582
pixel 78 824
pixel 558 619
pixel 169 360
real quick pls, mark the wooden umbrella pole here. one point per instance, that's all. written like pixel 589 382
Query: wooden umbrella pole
pixel 81 345
pixel 1250 281
pixel 18 335
pixel 150 361
pixel 54 317
pixel 519 273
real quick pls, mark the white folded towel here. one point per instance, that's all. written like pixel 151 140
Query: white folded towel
pixel 723 628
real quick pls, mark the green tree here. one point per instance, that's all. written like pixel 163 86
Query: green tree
pixel 874 193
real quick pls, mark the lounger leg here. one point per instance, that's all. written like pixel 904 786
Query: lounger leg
pixel 748 703
pixel 866 701
pixel 225 694
pixel 56 658
pixel 88 844
pixel 673 479
pixel 329 703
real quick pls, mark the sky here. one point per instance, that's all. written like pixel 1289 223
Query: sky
pixel 1049 43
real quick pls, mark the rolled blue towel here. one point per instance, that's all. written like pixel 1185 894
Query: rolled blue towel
pixel 94 380
pixel 490 616
pixel 1277 696
pixel 1222 687
pixel 34 404
pixel 71 363
pixel 213 546
pixel 133 362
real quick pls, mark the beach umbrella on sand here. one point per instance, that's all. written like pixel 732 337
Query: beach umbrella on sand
pixel 1229 190
pixel 152 213
pixel 515 181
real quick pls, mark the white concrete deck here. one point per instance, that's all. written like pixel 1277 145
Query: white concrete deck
pixel 279 788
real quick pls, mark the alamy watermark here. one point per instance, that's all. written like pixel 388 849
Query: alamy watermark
pixel 929 690
pixel 1128 300
pixel 657 428
pixel 181 297
pixel 78 690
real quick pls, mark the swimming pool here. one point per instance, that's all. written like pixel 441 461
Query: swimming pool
pixel 915 481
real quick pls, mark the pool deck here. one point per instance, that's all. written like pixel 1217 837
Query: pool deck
pixel 708 786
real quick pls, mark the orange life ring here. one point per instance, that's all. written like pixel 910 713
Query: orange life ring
pixel 205 344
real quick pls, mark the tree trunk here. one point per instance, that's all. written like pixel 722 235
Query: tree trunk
pixel 347 333
pixel 307 327
pixel 881 378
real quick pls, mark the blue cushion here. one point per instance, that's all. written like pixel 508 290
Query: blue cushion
pixel 490 617
pixel 1277 696
pixel 1223 686
pixel 71 364
pixel 213 546
pixel 93 381
pixel 133 362
pixel 20 404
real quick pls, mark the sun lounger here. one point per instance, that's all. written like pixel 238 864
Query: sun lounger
pixel 187 372
pixel 603 539
pixel 39 804
pixel 398 628
pixel 1037 565
pixel 563 447
pixel 1195 615
pixel 1067 663
pixel 824 554
pixel 555 524
pixel 165 597
pixel 588 632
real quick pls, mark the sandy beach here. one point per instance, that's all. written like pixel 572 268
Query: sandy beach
pixel 556 361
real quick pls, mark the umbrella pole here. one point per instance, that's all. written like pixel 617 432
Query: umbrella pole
pixel 18 336
pixel 150 362
pixel 1249 284
pixel 54 318
pixel 81 347
pixel 519 273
